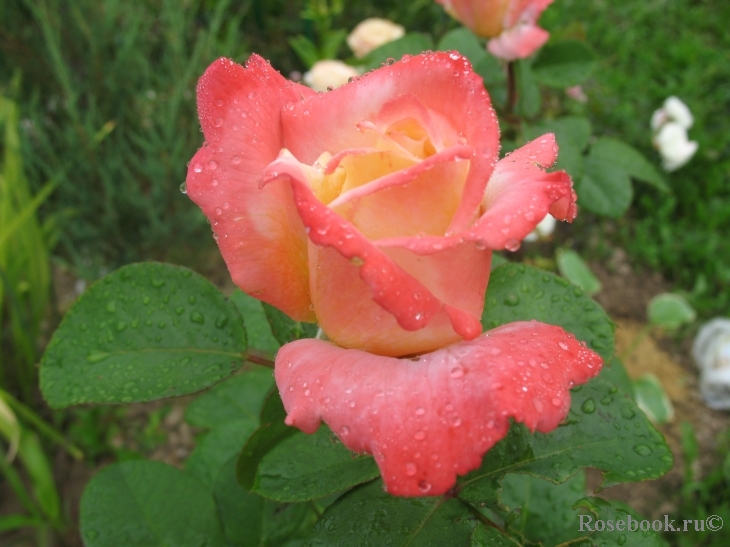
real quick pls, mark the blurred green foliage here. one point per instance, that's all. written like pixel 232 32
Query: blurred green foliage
pixel 649 51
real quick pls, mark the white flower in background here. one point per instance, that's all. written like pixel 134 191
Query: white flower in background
pixel 544 229
pixel 371 34
pixel 674 146
pixel 329 74
pixel 670 124
pixel 711 352
pixel 673 110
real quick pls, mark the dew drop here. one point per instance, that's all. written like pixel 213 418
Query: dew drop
pixel 512 244
pixel 184 187
pixel 420 411
pixel 588 406
pixel 419 435
pixel 411 469
pixel 642 450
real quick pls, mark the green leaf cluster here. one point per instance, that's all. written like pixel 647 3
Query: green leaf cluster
pixel 253 480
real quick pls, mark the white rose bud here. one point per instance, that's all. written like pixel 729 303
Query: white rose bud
pixel 371 34
pixel 674 146
pixel 329 74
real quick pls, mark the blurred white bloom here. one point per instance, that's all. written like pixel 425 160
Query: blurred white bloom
pixel 371 34
pixel 673 110
pixel 674 146
pixel 678 112
pixel 544 228
pixel 329 74
pixel 711 352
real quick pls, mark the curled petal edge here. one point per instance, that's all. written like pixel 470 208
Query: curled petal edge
pixel 431 418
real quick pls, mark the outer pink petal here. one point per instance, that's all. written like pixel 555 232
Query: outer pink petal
pixel 520 194
pixel 443 82
pixel 518 42
pixel 259 232
pixel 428 419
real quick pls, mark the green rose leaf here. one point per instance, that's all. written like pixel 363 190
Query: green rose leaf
pixel 614 372
pixel 600 509
pixel 144 332
pixel 670 311
pixel 546 510
pixel 520 293
pixel 412 43
pixel 605 188
pixel 257 324
pixel 237 399
pixel 147 503
pixel 367 515
pixel 271 432
pixel 575 270
pixel 514 448
pixel 630 160
pixel 604 429
pixel 487 536
pixel 231 409
pixel 303 467
pixel 216 447
pixel 251 521
pixel 285 329
pixel 652 399
pixel 564 64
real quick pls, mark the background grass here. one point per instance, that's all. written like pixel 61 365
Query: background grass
pixel 108 108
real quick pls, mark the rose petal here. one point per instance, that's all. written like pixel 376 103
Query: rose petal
pixel 352 318
pixel 518 196
pixel 443 82
pixel 524 11
pixel 420 199
pixel 259 231
pixel 427 420
pixel 393 289
pixel 518 42
pixel 484 18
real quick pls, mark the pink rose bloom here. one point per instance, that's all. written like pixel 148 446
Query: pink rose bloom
pixel 373 210
pixel 511 24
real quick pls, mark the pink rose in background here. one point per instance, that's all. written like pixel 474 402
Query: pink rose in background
pixel 511 24
pixel 373 210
